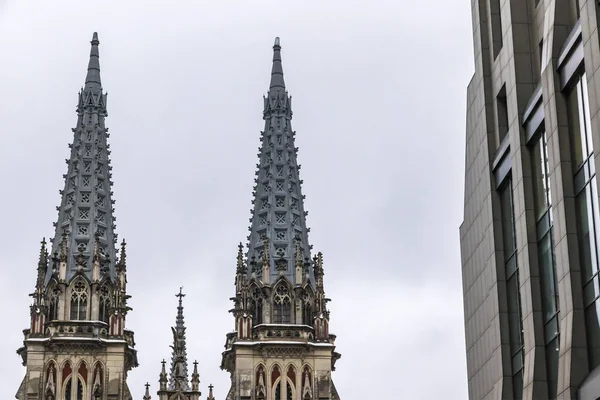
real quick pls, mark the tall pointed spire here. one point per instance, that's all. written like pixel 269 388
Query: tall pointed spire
pixel 86 207
pixel 278 213
pixel 178 376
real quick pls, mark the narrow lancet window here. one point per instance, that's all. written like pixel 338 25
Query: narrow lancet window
pixel 282 312
pixel 79 301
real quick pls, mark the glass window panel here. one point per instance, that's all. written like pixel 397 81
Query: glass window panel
pixel 593 333
pixel 538 179
pixel 517 382
pixel 551 329
pixel 591 290
pixel 585 111
pixel 578 142
pixel 547 280
pixel 511 266
pixel 587 240
pixel 514 314
pixel 552 367
pixel 508 231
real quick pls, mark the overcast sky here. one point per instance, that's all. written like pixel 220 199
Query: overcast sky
pixel 379 91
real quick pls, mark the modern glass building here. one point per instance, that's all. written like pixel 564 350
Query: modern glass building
pixel 530 239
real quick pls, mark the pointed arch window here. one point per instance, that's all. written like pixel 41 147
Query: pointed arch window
pixel 282 305
pixel 257 306
pixel 278 391
pixel 289 390
pixel 53 305
pixel 79 299
pixel 104 306
pixel 68 390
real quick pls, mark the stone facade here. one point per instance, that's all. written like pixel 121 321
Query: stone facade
pixel 77 347
pixel 529 240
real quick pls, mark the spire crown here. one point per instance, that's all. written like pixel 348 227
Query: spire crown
pixel 86 210
pixel 92 80
pixel 278 215
pixel 277 81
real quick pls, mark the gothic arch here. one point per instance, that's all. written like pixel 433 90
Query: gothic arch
pixel 49 379
pixel 79 299
pixel 256 303
pixel 282 300
pixel 260 381
pixel 306 383
pixel 104 302
pixel 53 295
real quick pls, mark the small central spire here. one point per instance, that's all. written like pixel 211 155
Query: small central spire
pixel 92 80
pixel 178 377
pixel 277 69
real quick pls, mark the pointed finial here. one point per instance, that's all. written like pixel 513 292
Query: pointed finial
pixel 42 264
pixel 92 80
pixel 241 268
pixel 123 255
pixel 277 69
pixel 147 394
pixel 210 392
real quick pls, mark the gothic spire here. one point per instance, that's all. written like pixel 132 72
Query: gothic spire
pixel 178 376
pixel 86 206
pixel 278 215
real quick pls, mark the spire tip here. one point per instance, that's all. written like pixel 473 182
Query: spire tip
pixel 277 41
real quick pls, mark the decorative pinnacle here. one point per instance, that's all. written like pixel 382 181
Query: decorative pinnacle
pixel 298 253
pixel 63 246
pixel 266 255
pixel 147 394
pixel 179 369
pixel 241 268
pixel 123 255
pixel 210 392
pixel 277 69
pixel 92 80
pixel 42 264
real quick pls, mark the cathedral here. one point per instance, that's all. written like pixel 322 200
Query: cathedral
pixel 78 347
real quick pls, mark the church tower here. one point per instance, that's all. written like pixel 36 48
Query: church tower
pixel 281 348
pixel 77 347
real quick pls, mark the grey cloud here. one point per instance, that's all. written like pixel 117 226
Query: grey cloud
pixel 379 101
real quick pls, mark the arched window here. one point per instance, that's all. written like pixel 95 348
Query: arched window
pixel 278 391
pixel 289 390
pixel 282 306
pixel 257 306
pixel 307 310
pixel 79 301
pixel 104 306
pixel 53 304
pixel 68 389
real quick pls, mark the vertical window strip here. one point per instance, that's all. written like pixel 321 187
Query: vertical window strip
pixel 588 215
pixel 547 261
pixel 513 295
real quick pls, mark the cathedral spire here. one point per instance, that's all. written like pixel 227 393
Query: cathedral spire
pixel 178 376
pixel 86 207
pixel 278 215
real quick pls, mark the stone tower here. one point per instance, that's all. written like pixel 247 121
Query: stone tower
pixel 175 385
pixel 77 347
pixel 281 348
